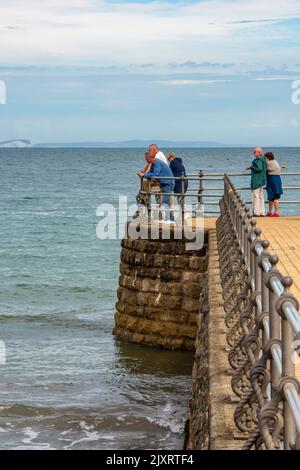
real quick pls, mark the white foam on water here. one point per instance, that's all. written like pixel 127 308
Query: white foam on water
pixel 3 408
pixel 90 436
pixel 28 444
pixel 63 433
pixel 108 437
pixel 168 408
pixel 38 446
pixel 31 435
pixel 167 421
pixel 85 427
pixel 3 430
pixel 174 426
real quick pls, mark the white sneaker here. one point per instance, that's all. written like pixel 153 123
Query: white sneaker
pixel 169 222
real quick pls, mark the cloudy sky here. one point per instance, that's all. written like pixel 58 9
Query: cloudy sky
pixel 219 70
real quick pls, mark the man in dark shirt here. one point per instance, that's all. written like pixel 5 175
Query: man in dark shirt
pixel 178 170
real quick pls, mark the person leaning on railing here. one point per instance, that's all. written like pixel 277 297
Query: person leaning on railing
pixel 258 182
pixel 160 170
pixel 147 186
pixel 158 154
pixel 178 170
pixel 274 184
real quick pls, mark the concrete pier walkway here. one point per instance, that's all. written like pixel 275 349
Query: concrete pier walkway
pixel 283 233
pixel 284 237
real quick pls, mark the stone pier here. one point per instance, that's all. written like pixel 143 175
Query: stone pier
pixel 171 297
pixel 159 289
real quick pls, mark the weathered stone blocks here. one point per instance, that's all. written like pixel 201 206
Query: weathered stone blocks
pixel 159 290
pixel 210 425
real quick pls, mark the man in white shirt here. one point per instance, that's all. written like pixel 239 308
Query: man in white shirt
pixel 158 154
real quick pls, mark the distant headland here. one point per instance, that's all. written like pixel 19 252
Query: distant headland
pixel 164 144
pixel 18 143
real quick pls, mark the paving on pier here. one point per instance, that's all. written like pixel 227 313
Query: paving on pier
pixel 283 233
pixel 284 237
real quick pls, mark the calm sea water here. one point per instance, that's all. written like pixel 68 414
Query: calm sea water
pixel 68 383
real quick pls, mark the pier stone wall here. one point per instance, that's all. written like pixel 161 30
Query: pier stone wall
pixel 172 298
pixel 158 296
pixel 210 425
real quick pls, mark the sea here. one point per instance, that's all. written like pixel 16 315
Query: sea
pixel 65 381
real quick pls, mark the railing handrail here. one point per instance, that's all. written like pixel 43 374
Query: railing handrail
pixel 248 173
pixel 204 192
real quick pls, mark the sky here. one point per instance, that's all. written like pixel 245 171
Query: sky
pixel 93 70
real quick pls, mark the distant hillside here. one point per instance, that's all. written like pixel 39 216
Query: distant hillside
pixel 18 143
pixel 143 144
pixel 137 144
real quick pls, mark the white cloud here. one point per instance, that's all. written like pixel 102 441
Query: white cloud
pixel 183 82
pixel 98 32
pixel 275 79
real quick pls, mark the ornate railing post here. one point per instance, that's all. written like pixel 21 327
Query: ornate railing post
pixel 288 366
pixel 287 369
pixel 201 188
pixel 182 198
pixel 257 273
pixel 247 243
pixel 264 291
pixel 275 327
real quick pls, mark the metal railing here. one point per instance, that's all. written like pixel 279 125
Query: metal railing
pixel 197 194
pixel 263 323
pixel 206 195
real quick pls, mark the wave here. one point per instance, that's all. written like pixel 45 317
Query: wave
pixel 81 289
pixel 70 313
pixel 92 427
pixel 88 319
pixel 23 199
pixel 168 421
pixel 23 411
pixel 99 417
pixel 25 285
pixel 13 254
pixel 41 289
